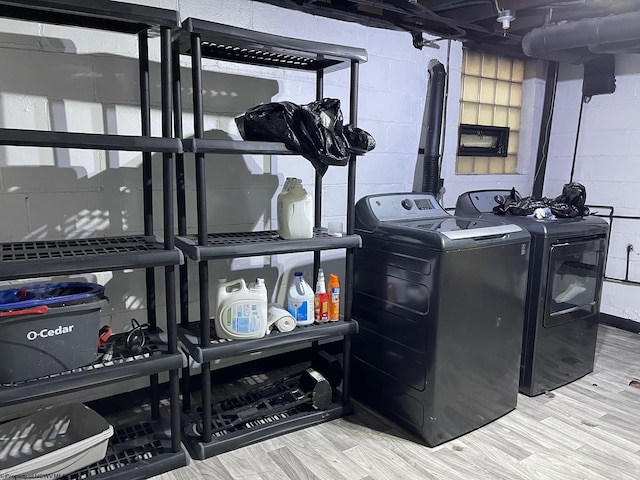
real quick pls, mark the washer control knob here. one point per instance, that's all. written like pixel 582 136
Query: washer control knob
pixel 407 204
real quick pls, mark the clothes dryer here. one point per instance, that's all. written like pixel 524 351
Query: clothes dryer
pixel 566 271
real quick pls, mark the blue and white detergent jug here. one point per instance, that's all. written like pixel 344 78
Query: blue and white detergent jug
pixel 241 310
pixel 300 301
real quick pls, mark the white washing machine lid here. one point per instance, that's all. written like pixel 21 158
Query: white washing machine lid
pixel 482 232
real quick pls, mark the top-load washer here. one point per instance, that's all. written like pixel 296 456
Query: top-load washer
pixel 566 271
pixel 440 304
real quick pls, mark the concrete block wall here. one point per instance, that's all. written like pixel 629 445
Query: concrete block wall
pixel 607 164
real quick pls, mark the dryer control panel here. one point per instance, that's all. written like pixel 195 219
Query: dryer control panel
pixel 404 206
pixel 481 201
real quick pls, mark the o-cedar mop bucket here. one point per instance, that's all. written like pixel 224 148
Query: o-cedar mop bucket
pixel 48 329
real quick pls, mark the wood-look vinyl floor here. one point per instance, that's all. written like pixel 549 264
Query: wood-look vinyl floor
pixel 587 430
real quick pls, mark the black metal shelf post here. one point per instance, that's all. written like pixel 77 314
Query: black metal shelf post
pixel 203 39
pixel 26 259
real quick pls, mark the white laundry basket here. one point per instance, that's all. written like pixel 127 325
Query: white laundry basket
pixel 53 442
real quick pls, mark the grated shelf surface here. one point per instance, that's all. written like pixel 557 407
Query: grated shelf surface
pixel 120 455
pixel 54 249
pixel 255 56
pixel 242 238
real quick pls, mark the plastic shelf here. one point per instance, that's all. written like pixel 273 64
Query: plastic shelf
pixel 134 452
pixel 200 145
pixel 224 42
pixel 58 257
pixel 88 141
pixel 99 14
pixel 221 348
pixel 256 431
pixel 118 369
pixel 245 244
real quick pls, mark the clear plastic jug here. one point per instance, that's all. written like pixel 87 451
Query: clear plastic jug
pixel 295 211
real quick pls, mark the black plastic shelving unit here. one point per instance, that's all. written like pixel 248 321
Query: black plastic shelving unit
pixel 269 426
pixel 26 259
pixel 100 373
pixel 217 349
pixel 59 257
pixel 41 138
pixel 203 39
pixel 268 242
pixel 135 451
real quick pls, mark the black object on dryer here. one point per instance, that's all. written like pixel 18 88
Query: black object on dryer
pixel 440 305
pixel 566 271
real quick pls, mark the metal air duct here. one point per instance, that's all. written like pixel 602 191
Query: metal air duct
pixel 580 41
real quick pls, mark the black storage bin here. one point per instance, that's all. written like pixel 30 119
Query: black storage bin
pixel 47 329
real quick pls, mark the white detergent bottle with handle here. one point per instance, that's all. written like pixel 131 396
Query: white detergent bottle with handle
pixel 300 301
pixel 295 211
pixel 241 310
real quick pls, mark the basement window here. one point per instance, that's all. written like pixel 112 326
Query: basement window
pixel 491 96
pixel 482 141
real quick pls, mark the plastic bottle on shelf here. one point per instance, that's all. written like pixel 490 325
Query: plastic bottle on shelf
pixel 321 300
pixel 241 310
pixel 295 211
pixel 334 298
pixel 300 300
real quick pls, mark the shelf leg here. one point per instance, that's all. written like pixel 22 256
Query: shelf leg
pixel 186 389
pixel 346 369
pixel 206 402
pixel 155 397
pixel 174 397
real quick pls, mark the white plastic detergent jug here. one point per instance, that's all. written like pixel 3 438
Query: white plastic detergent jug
pixel 295 211
pixel 241 311
pixel 300 301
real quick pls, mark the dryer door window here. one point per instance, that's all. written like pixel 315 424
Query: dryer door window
pixel 574 282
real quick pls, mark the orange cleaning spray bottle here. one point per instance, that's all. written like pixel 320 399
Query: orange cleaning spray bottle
pixel 334 298
pixel 321 299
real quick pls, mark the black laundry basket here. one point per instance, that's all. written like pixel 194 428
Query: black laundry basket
pixel 47 329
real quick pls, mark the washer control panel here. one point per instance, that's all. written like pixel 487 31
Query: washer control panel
pixel 404 206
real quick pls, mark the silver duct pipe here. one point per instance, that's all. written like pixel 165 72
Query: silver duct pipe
pixel 579 41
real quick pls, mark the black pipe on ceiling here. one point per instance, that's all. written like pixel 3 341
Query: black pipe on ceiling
pixel 545 131
pixel 433 123
pixel 579 41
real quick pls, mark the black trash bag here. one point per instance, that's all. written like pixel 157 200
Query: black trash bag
pixel 358 141
pixel 314 130
pixel 324 143
pixel 522 208
pixel 572 202
pixel 506 203
pixel 272 122
pixel 568 205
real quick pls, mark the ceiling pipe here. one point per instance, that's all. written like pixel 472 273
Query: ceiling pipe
pixel 621 47
pixel 577 42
